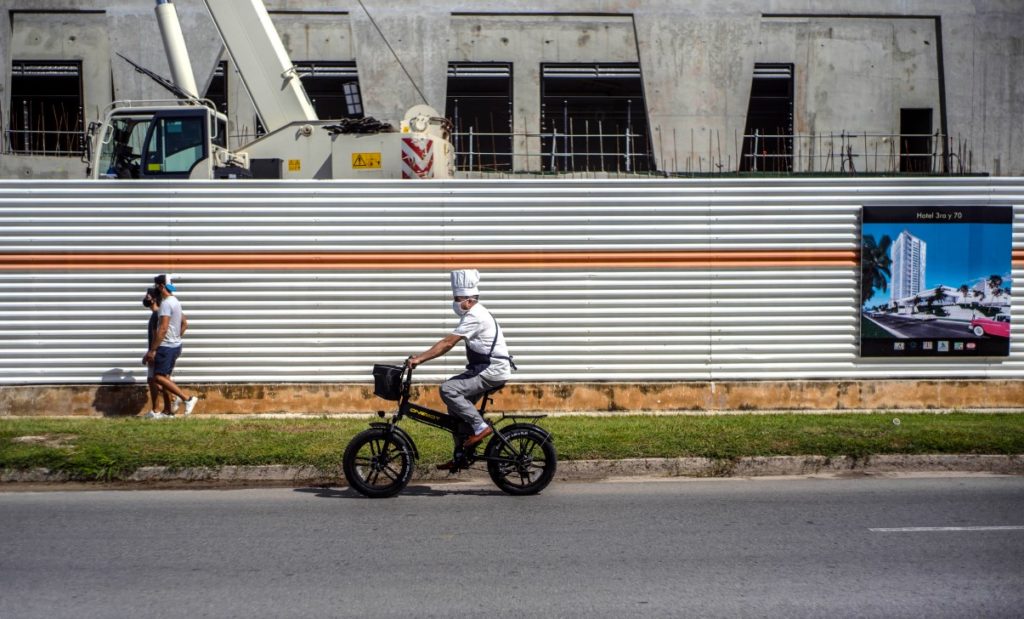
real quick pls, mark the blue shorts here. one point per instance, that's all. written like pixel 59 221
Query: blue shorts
pixel 166 356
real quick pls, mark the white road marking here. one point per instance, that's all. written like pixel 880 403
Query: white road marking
pixel 930 529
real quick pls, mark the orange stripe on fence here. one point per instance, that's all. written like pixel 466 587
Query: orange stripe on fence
pixel 422 260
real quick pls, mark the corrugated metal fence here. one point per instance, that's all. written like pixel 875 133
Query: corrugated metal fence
pixel 617 280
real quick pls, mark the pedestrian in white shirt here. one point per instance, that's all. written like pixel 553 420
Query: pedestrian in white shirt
pixel 165 348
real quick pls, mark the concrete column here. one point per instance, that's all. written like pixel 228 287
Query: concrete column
pixel 526 112
pixel 697 66
pixel 983 57
pixel 5 78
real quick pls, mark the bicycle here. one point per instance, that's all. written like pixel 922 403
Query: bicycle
pixel 378 462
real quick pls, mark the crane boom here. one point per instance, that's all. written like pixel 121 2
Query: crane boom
pixel 174 47
pixel 263 63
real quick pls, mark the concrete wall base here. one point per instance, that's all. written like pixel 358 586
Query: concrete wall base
pixel 127 400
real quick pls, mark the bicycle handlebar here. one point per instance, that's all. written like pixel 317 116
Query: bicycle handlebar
pixel 407 372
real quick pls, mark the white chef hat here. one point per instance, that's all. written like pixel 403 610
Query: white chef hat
pixel 464 283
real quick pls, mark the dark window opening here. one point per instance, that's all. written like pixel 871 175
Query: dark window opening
pixel 593 118
pixel 916 140
pixel 217 91
pixel 333 88
pixel 46 108
pixel 479 106
pixel 768 137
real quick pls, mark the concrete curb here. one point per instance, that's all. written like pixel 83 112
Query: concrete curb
pixel 572 470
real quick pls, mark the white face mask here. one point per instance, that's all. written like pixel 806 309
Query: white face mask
pixel 457 308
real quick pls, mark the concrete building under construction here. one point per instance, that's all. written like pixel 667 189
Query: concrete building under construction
pixel 599 87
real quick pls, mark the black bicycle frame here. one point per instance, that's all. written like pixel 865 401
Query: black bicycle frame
pixel 444 421
pixel 430 417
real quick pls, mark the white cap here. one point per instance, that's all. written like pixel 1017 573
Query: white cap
pixel 464 283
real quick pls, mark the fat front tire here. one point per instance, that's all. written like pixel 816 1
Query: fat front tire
pixel 378 463
pixel 526 465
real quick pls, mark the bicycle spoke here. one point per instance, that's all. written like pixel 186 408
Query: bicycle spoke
pixel 390 473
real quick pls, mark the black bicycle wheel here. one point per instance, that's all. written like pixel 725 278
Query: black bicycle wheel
pixel 526 463
pixel 378 463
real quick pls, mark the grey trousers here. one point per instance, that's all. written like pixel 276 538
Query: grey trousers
pixel 460 392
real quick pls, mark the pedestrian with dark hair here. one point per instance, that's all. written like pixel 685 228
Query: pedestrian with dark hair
pixel 152 302
pixel 165 348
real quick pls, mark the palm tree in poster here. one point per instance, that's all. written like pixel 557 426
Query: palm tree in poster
pixel 995 282
pixel 875 265
pixel 964 289
pixel 937 298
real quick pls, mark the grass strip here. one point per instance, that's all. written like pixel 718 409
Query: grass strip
pixel 110 449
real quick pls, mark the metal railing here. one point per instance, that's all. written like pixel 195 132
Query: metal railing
pixel 827 153
pixel 553 151
pixel 43 142
pixel 39 128
pixel 842 153
pixel 857 153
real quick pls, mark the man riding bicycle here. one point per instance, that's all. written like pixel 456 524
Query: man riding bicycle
pixel 488 363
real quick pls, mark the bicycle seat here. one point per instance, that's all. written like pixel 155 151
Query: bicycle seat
pixel 491 392
pixel 486 397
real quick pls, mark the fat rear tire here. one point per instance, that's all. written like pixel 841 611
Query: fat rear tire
pixel 525 466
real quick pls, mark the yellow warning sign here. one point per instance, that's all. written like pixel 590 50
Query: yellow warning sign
pixel 294 165
pixel 365 161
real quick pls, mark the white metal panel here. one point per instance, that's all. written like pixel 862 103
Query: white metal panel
pixel 259 322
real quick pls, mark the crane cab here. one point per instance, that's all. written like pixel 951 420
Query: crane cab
pixel 158 140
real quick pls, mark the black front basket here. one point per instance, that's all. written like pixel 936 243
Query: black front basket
pixel 387 381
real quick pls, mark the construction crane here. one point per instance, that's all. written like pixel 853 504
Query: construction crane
pixel 186 137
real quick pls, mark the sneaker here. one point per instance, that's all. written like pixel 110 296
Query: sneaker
pixel 175 402
pixel 191 404
pixel 155 415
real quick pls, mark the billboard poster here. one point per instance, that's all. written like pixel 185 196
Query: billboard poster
pixel 935 281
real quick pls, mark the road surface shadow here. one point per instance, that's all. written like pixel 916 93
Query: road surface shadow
pixel 441 489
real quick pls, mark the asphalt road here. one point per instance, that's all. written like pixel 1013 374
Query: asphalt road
pixel 681 548
pixel 915 328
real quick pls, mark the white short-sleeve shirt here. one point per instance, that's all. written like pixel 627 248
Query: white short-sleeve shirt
pixel 478 328
pixel 171 307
